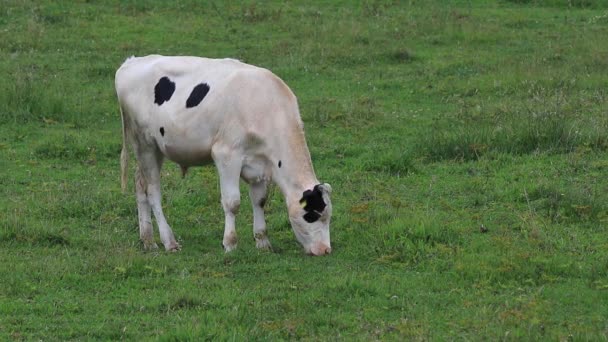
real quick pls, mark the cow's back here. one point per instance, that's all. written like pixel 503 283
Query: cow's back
pixel 186 104
pixel 138 76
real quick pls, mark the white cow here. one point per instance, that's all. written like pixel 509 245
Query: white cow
pixel 244 118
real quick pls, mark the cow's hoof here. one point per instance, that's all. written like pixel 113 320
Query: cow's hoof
pixel 229 247
pixel 174 247
pixel 150 246
pixel 229 242
pixel 263 244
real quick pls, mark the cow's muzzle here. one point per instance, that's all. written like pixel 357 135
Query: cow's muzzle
pixel 319 249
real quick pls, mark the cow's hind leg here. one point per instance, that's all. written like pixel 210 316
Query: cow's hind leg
pixel 229 168
pixel 149 163
pixel 146 234
pixel 258 192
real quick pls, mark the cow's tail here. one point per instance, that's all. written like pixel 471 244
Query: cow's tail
pixel 124 154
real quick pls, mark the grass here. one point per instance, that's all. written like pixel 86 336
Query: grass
pixel 465 143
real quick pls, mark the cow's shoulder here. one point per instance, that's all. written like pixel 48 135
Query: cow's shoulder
pixel 261 78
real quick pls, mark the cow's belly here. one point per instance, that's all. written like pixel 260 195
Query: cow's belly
pixel 186 154
pixel 186 142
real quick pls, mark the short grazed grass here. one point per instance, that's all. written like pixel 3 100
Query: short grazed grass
pixel 465 142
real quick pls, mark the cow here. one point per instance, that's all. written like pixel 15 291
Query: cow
pixel 194 111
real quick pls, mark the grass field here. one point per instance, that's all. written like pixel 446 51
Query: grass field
pixel 466 143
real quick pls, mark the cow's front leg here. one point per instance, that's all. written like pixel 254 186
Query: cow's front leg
pixel 150 164
pixel 257 193
pixel 229 166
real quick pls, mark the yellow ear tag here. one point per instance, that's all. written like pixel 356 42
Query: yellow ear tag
pixel 303 203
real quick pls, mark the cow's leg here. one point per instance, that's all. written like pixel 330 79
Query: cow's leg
pixel 229 166
pixel 257 193
pixel 150 163
pixel 146 235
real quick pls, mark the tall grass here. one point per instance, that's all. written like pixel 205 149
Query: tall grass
pixel 508 242
pixel 564 3
pixel 26 97
pixel 548 121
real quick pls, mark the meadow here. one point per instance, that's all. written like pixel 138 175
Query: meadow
pixel 466 143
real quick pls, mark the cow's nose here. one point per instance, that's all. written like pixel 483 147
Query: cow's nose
pixel 320 249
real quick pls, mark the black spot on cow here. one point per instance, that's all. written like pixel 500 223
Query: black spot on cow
pixel 162 131
pixel 313 204
pixel 280 164
pixel 163 90
pixel 197 95
pixel 311 216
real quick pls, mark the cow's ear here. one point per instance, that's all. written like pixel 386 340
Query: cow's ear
pixel 312 200
pixel 313 203
pixel 325 188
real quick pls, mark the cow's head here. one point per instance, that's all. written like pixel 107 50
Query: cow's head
pixel 310 220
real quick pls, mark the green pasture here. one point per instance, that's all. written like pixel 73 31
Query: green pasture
pixel 466 143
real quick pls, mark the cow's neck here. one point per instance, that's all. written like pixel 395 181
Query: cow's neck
pixel 296 174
